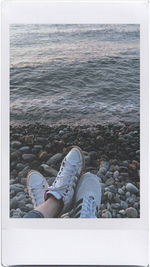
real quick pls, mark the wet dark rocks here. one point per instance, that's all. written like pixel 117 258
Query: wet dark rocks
pixel 131 212
pixel 55 159
pixel 15 155
pixel 111 151
pixel 24 149
pixel 48 170
pixel 43 155
pixel 131 188
pixel 28 157
pixel 15 144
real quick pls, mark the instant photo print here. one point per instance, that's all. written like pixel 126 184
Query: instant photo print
pixel 74 133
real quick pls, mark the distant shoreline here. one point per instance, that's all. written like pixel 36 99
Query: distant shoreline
pixel 76 123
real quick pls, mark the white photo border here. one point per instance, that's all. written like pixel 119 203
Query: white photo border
pixel 76 12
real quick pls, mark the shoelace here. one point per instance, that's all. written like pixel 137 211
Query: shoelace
pixel 69 178
pixel 69 169
pixel 65 189
pixel 88 208
pixel 37 189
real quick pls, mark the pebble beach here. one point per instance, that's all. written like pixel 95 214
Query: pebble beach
pixel 112 152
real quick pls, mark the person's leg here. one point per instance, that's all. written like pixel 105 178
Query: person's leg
pixel 58 197
pixel 48 209
pixel 87 197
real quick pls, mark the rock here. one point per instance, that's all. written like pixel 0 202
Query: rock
pixel 23 181
pixel 29 139
pixel 15 144
pixel 87 160
pixel 123 205
pixel 15 155
pixel 17 188
pixel 110 181
pixel 114 213
pixel 24 172
pixel 123 169
pixel 109 174
pixel 136 205
pixel 122 212
pixel 61 132
pixel 127 136
pixel 125 163
pixel 93 155
pixel 131 199
pixel 100 139
pixel 14 173
pixel 12 194
pixel 131 212
pixel 116 174
pixel 29 207
pixel 131 188
pixel 17 213
pixel 55 159
pixel 121 140
pixel 115 205
pixel 12 181
pixel 24 149
pixel 43 155
pixel 106 214
pixel 28 157
pixel 117 198
pixel 48 148
pixel 49 170
pixel 108 206
pixel 123 188
pixel 35 164
pixel 110 195
pixel 137 152
pixel 132 166
pixel 104 164
pixel 19 166
pixel 125 175
pixel 13 164
pixel 112 188
pixel 20 196
pixel 13 203
pixel 111 168
pixel 28 200
pixel 120 191
pixel 103 206
pixel 21 204
pixel 38 147
pixel 41 140
pixel 102 171
pixel 128 194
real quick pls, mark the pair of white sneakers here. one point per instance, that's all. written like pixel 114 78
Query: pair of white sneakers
pixel 71 186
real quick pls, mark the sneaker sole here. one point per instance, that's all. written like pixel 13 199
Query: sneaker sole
pixel 82 154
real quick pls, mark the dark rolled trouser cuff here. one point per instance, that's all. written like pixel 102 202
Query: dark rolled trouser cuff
pixel 34 214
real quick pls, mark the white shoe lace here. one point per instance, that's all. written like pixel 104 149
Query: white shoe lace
pixel 88 208
pixel 68 174
pixel 36 190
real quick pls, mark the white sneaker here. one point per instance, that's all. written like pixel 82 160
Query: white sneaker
pixel 87 196
pixel 36 186
pixel 64 185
